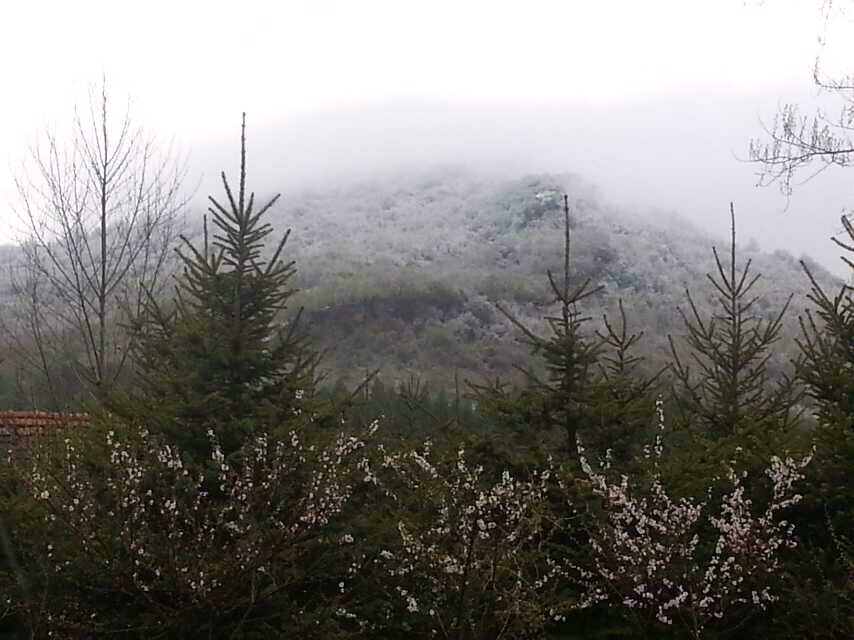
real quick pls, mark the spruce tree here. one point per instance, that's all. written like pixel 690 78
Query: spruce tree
pixel 220 354
pixel 730 397
pixel 822 590
pixel 826 368
pixel 562 400
pixel 827 354
pixel 623 398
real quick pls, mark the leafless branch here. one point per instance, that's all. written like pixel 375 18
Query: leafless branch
pixel 100 209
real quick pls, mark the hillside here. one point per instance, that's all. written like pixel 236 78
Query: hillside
pixel 402 275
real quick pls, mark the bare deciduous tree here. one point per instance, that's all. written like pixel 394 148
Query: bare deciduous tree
pixel 795 142
pixel 100 210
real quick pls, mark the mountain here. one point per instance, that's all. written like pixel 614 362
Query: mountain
pixel 402 274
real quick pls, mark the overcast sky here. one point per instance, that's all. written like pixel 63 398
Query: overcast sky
pixel 649 99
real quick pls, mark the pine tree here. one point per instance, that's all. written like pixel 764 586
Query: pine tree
pixel 570 356
pixel 822 589
pixel 826 367
pixel 730 398
pixel 219 353
pixel 827 348
pixel 241 296
pixel 622 399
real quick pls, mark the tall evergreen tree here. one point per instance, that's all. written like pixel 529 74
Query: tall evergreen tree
pixel 562 400
pixel 821 592
pixel 220 352
pixel 241 296
pixel 827 348
pixel 730 397
pixel 826 367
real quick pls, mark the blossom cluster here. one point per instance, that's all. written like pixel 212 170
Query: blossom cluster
pixel 517 554
pixel 647 552
pixel 186 536
pixel 473 553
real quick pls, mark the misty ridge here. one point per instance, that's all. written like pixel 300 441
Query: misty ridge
pixel 409 221
pixel 681 151
pixel 401 273
pixel 403 192
pixel 394 200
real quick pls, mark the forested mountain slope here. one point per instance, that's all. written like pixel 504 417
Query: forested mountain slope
pixel 402 274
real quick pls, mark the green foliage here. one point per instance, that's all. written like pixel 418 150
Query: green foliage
pixel 220 352
pixel 827 345
pixel 730 399
pixel 593 391
pixel 822 572
pixel 622 398
pixel 569 356
pixel 22 544
pixel 817 595
pixel 139 541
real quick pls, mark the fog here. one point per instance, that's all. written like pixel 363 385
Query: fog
pixel 653 102
pixel 682 153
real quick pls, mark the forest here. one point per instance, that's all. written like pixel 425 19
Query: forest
pixel 442 406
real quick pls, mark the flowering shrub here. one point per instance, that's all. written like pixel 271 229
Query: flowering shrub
pixel 477 558
pixel 138 539
pixel 684 560
pixel 473 556
pixel 143 540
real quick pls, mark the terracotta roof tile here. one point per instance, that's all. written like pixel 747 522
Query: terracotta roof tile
pixel 17 424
